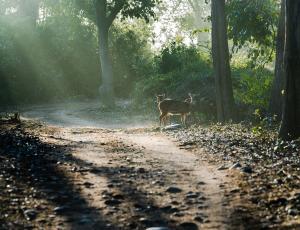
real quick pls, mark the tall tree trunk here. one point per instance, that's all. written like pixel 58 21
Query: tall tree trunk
pixel 222 72
pixel 276 100
pixel 290 126
pixel 106 89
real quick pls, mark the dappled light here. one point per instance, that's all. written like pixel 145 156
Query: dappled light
pixel 149 114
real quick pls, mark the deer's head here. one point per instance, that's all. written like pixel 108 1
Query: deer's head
pixel 160 97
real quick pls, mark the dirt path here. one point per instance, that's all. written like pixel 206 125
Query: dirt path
pixel 191 174
pixel 131 179
pixel 139 169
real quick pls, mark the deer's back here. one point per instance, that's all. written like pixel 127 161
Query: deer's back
pixel 174 107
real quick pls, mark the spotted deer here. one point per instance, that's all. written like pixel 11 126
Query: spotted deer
pixel 169 107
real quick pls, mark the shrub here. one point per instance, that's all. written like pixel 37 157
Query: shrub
pixel 252 86
pixel 178 71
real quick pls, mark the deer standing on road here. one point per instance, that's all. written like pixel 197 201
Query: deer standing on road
pixel 169 107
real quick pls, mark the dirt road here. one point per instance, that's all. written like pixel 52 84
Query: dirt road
pixel 119 177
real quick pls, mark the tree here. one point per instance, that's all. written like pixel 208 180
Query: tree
pixel 252 24
pixel 224 92
pixel 275 106
pixel 290 126
pixel 106 13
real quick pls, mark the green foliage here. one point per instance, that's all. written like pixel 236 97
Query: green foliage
pixel 55 59
pixel 131 56
pixel 58 58
pixel 126 8
pixel 252 86
pixel 136 8
pixel 178 57
pixel 179 68
pixel 252 24
pixel 71 46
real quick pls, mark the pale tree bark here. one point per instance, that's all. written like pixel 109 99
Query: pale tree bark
pixel 104 20
pixel 290 126
pixel 222 72
pixel 106 13
pixel 106 89
pixel 276 100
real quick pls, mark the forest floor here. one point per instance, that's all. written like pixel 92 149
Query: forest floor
pixel 78 167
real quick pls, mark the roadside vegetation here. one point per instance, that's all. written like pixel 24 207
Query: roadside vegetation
pixel 57 57
pixel 238 59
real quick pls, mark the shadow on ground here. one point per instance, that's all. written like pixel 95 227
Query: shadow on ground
pixel 29 173
pixel 36 192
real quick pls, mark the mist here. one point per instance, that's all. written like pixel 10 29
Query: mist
pixel 149 114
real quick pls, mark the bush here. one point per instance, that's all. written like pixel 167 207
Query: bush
pixel 181 69
pixel 252 86
pixel 178 71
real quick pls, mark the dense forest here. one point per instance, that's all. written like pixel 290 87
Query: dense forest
pixel 88 90
pixel 50 51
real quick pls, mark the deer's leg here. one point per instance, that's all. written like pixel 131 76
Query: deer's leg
pixel 162 118
pixel 183 118
pixel 167 119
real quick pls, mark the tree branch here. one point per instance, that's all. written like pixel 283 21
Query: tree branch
pixel 114 12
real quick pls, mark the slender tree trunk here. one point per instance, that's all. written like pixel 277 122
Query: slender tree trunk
pixel 276 100
pixel 222 72
pixel 106 89
pixel 290 126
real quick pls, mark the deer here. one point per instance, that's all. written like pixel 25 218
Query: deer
pixel 169 107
